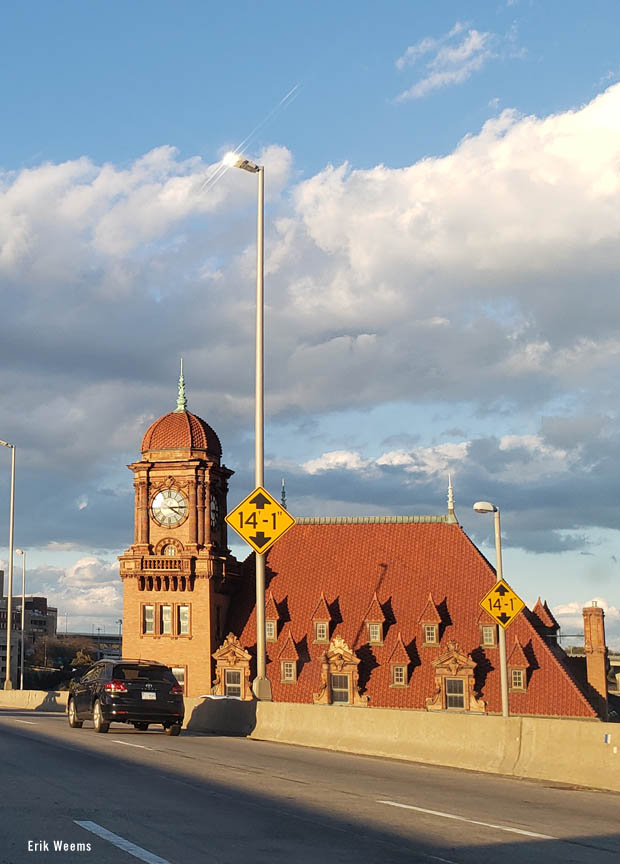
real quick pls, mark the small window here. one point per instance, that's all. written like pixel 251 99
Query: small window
pixel 270 631
pixel 148 619
pixel 340 688
pixel 455 693
pixel 179 674
pixel 488 635
pixel 183 620
pixel 288 672
pixel 165 620
pixel 517 679
pixel 170 551
pixel 399 676
pixel 232 682
pixel 430 634
pixel 320 631
pixel 375 636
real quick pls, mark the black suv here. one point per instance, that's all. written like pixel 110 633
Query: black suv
pixel 127 691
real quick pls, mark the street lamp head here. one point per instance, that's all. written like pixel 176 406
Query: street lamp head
pixel 485 507
pixel 19 552
pixel 6 444
pixel 235 160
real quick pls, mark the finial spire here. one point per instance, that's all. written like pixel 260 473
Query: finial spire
pixel 181 400
pixel 450 495
pixel 283 495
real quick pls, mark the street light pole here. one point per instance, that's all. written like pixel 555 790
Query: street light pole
pixel 21 674
pixel 261 686
pixel 487 507
pixel 9 604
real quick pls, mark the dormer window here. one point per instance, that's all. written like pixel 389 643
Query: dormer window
pixel 321 631
pixel 288 670
pixel 488 635
pixel 321 619
pixel 399 675
pixel 375 634
pixel 430 634
pixel 272 616
pixel 517 669
pixel 430 619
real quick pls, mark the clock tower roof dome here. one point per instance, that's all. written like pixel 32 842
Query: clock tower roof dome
pixel 181 430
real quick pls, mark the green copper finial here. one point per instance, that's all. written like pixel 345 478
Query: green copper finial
pixel 181 400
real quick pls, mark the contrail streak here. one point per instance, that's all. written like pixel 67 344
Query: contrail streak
pixel 220 169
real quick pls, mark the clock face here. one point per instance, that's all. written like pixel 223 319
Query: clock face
pixel 215 511
pixel 169 508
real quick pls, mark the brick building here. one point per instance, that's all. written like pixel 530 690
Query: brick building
pixel 374 612
pixel 178 575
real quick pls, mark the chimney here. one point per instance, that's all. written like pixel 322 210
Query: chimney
pixel 596 653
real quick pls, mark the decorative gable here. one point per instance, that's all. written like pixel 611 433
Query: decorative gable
pixel 339 661
pixel 454 682
pixel 430 615
pixel 321 612
pixel 271 610
pixel 289 649
pixel 232 671
pixel 517 658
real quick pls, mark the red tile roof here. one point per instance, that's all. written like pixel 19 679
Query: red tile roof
pixel 181 430
pixel 403 561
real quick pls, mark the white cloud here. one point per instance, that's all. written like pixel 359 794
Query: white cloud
pixel 570 618
pixel 453 62
pixel 336 460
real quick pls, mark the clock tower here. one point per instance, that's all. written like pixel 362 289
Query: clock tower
pixel 178 574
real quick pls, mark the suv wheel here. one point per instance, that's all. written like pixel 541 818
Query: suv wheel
pixel 173 730
pixel 100 724
pixel 74 723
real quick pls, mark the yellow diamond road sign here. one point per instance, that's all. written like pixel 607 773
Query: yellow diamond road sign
pixel 260 520
pixel 502 603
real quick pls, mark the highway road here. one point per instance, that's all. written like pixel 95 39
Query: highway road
pixel 130 796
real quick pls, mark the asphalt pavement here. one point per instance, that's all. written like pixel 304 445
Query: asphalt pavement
pixel 126 796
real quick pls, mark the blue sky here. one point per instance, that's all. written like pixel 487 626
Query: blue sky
pixel 442 234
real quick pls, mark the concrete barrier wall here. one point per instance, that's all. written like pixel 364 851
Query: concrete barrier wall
pixel 34 700
pixel 577 752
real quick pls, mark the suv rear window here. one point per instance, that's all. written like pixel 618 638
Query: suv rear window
pixel 144 673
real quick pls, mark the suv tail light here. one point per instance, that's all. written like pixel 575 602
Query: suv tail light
pixel 176 690
pixel 115 687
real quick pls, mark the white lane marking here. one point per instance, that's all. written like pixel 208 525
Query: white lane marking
pixel 121 843
pixel 471 821
pixel 127 744
pixel 29 722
